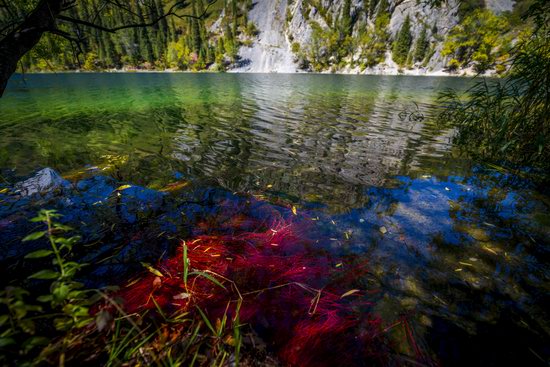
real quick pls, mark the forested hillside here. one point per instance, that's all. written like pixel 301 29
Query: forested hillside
pixel 355 36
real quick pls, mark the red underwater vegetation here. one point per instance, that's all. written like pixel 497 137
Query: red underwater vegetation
pixel 306 303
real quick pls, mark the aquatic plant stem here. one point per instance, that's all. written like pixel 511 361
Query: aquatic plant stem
pixel 54 246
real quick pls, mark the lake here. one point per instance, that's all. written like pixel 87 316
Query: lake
pixel 457 248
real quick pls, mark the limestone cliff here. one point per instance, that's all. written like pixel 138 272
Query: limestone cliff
pixel 286 33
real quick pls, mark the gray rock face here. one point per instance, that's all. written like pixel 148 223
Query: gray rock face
pixel 284 22
pixel 43 181
pixel 499 6
pixel 271 50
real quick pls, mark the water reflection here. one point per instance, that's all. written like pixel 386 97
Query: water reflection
pixel 317 137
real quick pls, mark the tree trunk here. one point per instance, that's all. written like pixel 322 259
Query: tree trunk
pixel 21 40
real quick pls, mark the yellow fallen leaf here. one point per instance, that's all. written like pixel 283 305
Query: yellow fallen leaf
pixel 339 265
pixel 175 186
pixel 133 282
pixel 3 191
pixel 269 186
pixel 152 270
pixel 465 264
pixel 459 269
pixel 294 210
pixel 123 187
pixel 488 249
pixel 349 293
pixel 229 340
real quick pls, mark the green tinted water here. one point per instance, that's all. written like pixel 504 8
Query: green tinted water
pixel 309 135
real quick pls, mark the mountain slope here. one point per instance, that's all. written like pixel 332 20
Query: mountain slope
pixel 308 35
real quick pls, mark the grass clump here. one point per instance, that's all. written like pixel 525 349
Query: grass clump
pixel 508 121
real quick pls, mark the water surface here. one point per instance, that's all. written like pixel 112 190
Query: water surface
pixel 459 248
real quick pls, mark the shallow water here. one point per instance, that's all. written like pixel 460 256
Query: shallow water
pixel 459 249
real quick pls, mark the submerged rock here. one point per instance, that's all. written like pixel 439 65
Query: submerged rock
pixel 45 180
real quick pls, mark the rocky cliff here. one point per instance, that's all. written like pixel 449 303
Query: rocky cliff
pixel 307 35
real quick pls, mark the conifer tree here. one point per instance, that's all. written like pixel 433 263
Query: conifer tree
pixel 235 14
pixel 402 43
pixel 347 24
pixel 421 46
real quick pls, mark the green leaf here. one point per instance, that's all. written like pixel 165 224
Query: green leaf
pixel 206 321
pixel 4 342
pixel 209 277
pixel 45 274
pixel 38 254
pixel 34 236
pixel 27 325
pixel 34 341
pixel 60 292
pixel 3 319
pixel 45 298
pixel 62 227
pixel 62 323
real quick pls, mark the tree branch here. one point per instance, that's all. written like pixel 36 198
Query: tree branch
pixel 171 12
pixel 25 36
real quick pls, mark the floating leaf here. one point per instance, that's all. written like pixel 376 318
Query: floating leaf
pixel 269 186
pixel 465 264
pixel 152 270
pixel 123 187
pixel 349 293
pixel 488 249
pixel 38 254
pixel 294 210
pixel 3 191
pixel 383 230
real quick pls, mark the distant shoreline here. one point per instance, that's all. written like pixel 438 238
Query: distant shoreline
pixel 388 72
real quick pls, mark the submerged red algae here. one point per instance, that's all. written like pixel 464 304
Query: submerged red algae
pixel 303 300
